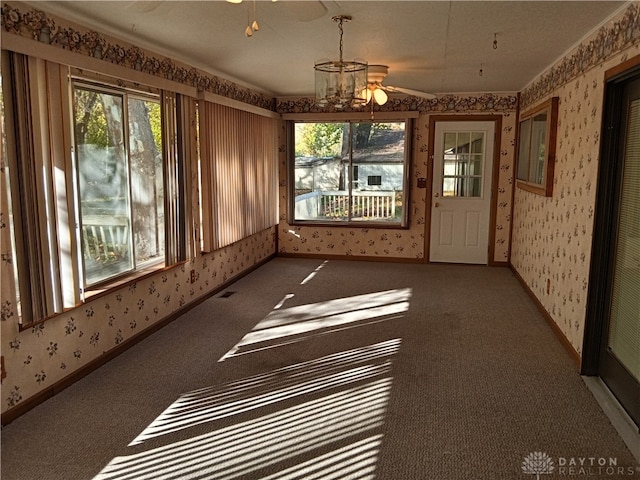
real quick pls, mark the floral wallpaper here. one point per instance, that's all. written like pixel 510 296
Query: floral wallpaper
pixel 360 241
pixel 39 356
pixel 406 243
pixel 551 240
pixel 46 29
pixel 450 103
pixel 552 237
pixel 610 40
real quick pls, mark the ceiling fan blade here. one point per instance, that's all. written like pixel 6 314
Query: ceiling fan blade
pixel 408 91
pixel 306 11
pixel 145 6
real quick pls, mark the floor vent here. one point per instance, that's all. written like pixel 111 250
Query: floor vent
pixel 227 294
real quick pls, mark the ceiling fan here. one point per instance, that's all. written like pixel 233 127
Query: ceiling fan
pixel 376 91
pixel 303 11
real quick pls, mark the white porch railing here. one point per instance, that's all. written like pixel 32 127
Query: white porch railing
pixel 335 204
pixel 105 238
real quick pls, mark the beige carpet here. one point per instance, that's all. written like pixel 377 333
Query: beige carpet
pixel 307 369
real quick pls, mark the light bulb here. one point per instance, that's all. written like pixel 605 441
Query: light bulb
pixel 366 94
pixel 247 31
pixel 255 26
pixel 380 96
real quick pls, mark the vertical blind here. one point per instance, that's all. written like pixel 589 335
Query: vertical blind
pixel 239 174
pixel 38 183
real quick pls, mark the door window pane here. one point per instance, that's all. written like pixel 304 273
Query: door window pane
pixel 463 164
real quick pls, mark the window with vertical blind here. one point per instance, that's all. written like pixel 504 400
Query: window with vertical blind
pixel 239 174
pixel 96 182
pixel 118 146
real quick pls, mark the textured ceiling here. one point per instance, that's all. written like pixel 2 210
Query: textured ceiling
pixel 437 47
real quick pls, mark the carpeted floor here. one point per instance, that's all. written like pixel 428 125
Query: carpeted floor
pixel 307 369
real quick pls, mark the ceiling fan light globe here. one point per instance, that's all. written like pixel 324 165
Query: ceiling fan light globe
pixel 366 95
pixel 380 96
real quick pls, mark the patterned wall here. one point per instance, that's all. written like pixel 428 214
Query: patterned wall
pixel 38 357
pixel 50 30
pixel 405 243
pixel 552 237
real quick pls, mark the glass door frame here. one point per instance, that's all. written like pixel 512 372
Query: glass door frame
pixel 606 223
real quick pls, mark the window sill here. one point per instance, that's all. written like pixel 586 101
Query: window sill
pixel 344 224
pixel 536 188
pixel 125 280
pixel 106 288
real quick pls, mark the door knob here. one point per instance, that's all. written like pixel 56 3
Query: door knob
pixel 436 205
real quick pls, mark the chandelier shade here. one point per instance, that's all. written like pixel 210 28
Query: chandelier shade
pixel 338 82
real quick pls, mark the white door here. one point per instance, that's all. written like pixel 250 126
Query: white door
pixel 461 203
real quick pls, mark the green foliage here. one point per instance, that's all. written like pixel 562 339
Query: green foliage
pixel 156 124
pixel 325 139
pixel 91 121
pixel 319 139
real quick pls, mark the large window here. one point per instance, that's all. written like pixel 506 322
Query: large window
pixel 118 141
pixel 347 172
pixel 95 191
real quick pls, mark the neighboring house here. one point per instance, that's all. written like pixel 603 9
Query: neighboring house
pixel 313 173
pixel 372 173
pixel 379 165
pixel 369 173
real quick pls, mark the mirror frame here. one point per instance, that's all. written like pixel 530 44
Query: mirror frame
pixel 545 186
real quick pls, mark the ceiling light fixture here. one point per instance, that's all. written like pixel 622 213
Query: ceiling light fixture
pixel 341 83
pixel 374 91
pixel 252 27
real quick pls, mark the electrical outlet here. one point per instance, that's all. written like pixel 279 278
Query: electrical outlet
pixel 193 276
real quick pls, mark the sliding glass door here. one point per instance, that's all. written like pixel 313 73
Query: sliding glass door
pixel 612 341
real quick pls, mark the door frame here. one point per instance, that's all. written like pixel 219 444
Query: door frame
pixel 607 201
pixel 495 174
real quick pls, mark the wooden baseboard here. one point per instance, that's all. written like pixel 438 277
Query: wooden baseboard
pixel 32 402
pixel 362 258
pixel 575 356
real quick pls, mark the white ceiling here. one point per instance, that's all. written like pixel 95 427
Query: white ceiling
pixel 433 46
